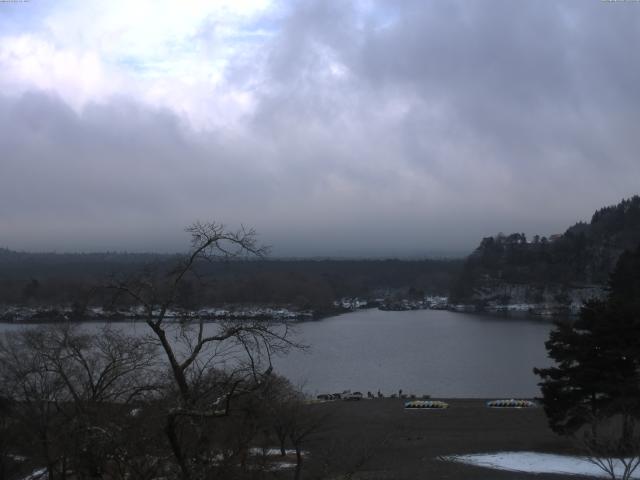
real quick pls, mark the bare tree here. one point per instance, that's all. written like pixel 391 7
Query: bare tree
pixel 70 389
pixel 613 444
pixel 303 424
pixel 8 458
pixel 210 365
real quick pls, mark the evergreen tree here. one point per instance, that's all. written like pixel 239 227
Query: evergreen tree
pixel 597 372
pixel 585 254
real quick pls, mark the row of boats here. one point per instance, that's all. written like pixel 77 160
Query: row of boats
pixel 437 404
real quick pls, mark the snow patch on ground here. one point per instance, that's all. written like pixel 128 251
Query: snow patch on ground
pixel 288 460
pixel 273 451
pixel 39 474
pixel 533 462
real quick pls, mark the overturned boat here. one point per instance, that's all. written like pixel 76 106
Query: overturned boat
pixel 511 403
pixel 425 404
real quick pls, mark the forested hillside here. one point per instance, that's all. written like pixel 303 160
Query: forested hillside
pixel 512 268
pixel 550 269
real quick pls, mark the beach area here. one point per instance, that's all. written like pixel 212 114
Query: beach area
pixel 380 439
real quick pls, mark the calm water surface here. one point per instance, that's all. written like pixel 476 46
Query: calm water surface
pixel 440 353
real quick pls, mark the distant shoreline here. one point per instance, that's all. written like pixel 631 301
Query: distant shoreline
pixel 17 315
pixel 20 314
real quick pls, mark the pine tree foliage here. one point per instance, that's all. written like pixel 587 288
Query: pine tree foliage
pixel 584 254
pixel 597 371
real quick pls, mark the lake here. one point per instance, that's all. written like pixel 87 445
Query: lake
pixel 435 352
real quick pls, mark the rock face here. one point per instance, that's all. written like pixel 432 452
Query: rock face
pixel 554 274
pixel 548 300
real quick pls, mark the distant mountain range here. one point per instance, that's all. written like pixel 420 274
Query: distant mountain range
pixel 562 269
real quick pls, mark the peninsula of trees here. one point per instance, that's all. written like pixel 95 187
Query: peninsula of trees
pixel 563 270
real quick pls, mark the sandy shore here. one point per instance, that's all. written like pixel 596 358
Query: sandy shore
pixel 382 440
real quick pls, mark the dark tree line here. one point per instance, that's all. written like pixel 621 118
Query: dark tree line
pixel 585 254
pixel 73 279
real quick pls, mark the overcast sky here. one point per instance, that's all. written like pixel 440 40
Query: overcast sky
pixel 335 128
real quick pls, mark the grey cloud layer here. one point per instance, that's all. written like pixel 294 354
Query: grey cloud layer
pixel 415 127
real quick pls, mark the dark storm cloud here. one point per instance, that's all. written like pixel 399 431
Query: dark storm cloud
pixel 389 128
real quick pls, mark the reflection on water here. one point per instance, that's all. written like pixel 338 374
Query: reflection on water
pixel 439 353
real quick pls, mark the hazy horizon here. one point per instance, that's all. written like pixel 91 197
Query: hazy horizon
pixel 403 256
pixel 364 129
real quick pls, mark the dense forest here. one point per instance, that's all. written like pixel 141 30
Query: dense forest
pixel 67 279
pixel 504 269
pixel 580 258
